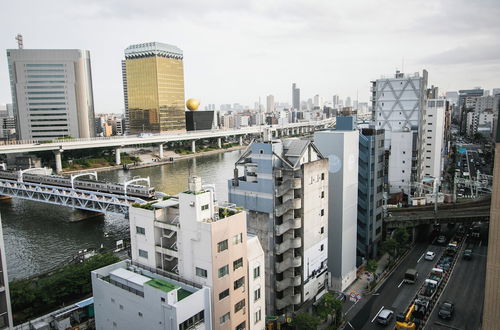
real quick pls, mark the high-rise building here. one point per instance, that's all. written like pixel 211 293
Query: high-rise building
pixel 270 107
pixel 153 86
pixel 491 317
pixel 371 178
pixel 466 103
pixel 284 188
pixel 335 101
pixel 399 106
pixel 205 243
pixel 51 93
pixel 295 97
pixel 5 309
pixel 340 146
pixel 317 101
pixel 348 101
pixel 434 138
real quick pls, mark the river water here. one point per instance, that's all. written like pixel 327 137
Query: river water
pixel 40 236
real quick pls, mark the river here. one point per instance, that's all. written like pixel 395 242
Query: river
pixel 40 236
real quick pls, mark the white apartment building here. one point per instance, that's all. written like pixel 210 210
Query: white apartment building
pixel 342 150
pixel 128 296
pixel 434 138
pixel 284 189
pixel 51 93
pixel 205 243
pixel 480 122
pixel 399 107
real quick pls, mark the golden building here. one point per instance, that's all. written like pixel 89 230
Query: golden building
pixel 153 83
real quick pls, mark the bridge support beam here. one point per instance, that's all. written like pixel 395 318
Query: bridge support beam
pixel 118 158
pixel 160 150
pixel 219 143
pixel 58 157
pixel 193 146
pixel 241 140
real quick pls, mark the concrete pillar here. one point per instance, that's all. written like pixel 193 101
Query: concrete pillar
pixel 58 153
pixel 160 151
pixel 193 146
pixel 241 140
pixel 219 143
pixel 118 158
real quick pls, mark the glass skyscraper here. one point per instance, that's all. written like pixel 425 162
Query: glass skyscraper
pixel 154 88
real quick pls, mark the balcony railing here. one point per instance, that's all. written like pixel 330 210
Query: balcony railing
pixel 288 263
pixel 288 300
pixel 288 282
pixel 295 203
pixel 293 223
pixel 288 244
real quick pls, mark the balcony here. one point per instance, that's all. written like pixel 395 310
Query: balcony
pixel 288 244
pixel 293 183
pixel 288 263
pixel 168 250
pixel 287 225
pixel 288 282
pixel 288 300
pixel 295 204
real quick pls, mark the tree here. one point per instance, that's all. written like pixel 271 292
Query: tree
pixel 391 247
pixel 304 321
pixel 371 266
pixel 401 236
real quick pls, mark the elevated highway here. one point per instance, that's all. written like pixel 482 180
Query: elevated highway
pixel 469 211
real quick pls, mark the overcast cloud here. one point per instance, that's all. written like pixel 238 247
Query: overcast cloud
pixel 236 51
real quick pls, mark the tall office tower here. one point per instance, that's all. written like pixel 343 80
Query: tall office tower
pixel 317 100
pixel 434 138
pixel 270 107
pixel 295 97
pixel 51 93
pixel 336 101
pixel 466 103
pixel 340 146
pixel 125 97
pixel 371 177
pixel 284 188
pixel 433 92
pixel 398 106
pixel 491 317
pixel 205 243
pixel 129 296
pixel 5 309
pixel 154 87
pixel 348 101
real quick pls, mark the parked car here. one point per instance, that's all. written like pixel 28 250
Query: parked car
pixel 430 255
pixel 385 316
pixel 446 310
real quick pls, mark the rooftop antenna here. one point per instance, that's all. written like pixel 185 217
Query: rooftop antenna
pixel 19 39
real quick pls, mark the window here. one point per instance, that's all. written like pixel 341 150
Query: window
pixel 261 151
pixel 256 272
pixel 140 314
pixel 201 272
pixel 322 176
pixel 404 152
pixel 121 307
pixel 162 299
pixel 143 254
pixel 223 271
pixel 204 207
pixel 402 171
pixel 237 239
pixel 221 246
pixel 322 230
pixel 239 305
pixel 238 263
pixel 322 194
pixel 224 318
pixel 322 247
pixel 256 294
pixel 258 316
pixel 191 322
pixel 140 230
pixel 241 326
pixel 223 294
pixel 239 283
pixel 322 212
pixel 112 300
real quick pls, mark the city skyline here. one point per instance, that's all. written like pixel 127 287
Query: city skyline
pixel 322 57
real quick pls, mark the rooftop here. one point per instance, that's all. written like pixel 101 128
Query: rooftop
pixel 162 285
pixel 150 49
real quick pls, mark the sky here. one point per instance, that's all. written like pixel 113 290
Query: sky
pixel 238 51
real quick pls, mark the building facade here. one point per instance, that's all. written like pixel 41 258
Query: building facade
pixel 129 296
pixel 434 147
pixel 5 308
pixel 153 86
pixel 295 97
pixel 399 108
pixel 195 238
pixel 467 99
pixel 51 93
pixel 341 148
pixel 284 189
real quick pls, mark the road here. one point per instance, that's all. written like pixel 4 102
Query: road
pixel 393 294
pixel 466 290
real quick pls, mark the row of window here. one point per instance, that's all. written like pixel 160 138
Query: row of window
pixel 46 81
pixel 45 92
pixel 45 76
pixel 224 245
pixel 44 87
pixel 47 97
pixel 44 65
pixel 51 103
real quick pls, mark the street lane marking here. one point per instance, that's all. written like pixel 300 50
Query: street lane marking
pixel 381 308
pixel 420 258
pixel 401 283
pixel 350 325
pixel 351 307
pixel 481 241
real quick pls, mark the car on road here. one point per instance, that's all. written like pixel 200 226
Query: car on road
pixel 446 310
pixel 430 255
pixel 467 254
pixel 385 316
pixel 441 239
